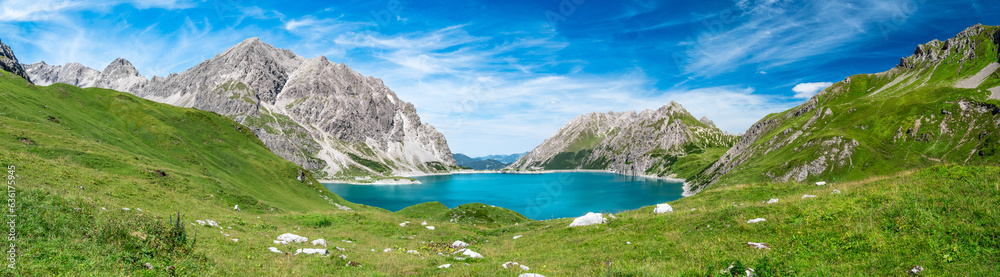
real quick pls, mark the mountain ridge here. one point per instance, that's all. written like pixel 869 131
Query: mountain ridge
pixel 666 142
pixel 938 105
pixel 323 116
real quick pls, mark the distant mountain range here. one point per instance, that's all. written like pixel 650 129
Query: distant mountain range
pixel 491 162
pixel 321 115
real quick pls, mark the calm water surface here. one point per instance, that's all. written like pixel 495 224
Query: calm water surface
pixel 537 196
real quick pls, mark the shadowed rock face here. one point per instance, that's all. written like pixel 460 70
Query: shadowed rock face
pixel 628 143
pixel 316 113
pixel 9 63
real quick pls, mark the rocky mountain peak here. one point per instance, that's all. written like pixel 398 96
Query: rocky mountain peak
pixel 935 51
pixel 673 108
pixel 646 143
pixel 321 115
pixel 706 121
pixel 120 67
pixel 9 63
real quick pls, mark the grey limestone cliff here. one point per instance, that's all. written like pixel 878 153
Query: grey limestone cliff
pixel 316 113
pixel 9 63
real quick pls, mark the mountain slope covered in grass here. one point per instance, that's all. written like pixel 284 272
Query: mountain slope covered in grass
pixel 938 106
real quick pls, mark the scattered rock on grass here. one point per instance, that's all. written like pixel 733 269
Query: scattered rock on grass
pixel 309 251
pixel 915 270
pixel 430 227
pixel 289 237
pixel 663 208
pixel 758 245
pixel 459 244
pixel 518 236
pixel 274 249
pixel 836 191
pixel 755 220
pixel 588 219
pixel 444 266
pixel 514 264
pixel 808 196
pixel 772 201
pixel 424 223
pixel 319 242
pixel 471 254
pixel 530 275
pixel 820 183
pixel 387 250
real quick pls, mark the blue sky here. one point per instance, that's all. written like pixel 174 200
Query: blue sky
pixel 500 77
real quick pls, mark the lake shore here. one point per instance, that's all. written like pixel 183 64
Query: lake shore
pixel 380 182
pixel 390 181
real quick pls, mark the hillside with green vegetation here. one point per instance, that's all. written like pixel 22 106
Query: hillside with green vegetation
pixel 935 107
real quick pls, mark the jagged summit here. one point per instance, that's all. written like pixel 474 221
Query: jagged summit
pixel 9 63
pixel 120 67
pixel 316 113
pixel 644 143
pixel 964 44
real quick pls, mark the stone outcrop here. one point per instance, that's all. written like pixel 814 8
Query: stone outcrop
pixel 9 63
pixel 321 115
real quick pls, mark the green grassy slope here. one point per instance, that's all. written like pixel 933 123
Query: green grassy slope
pixel 874 124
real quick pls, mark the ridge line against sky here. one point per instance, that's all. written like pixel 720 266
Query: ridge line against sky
pixel 510 73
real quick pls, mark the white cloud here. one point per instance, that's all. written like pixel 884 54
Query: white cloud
pixel 44 10
pixel 806 90
pixel 772 33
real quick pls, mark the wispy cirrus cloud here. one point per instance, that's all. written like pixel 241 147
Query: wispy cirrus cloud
pixel 43 10
pixel 772 33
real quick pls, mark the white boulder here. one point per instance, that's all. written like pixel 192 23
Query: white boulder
pixel 212 223
pixel 663 208
pixel 430 227
pixel 530 275
pixel 459 244
pixel 200 222
pixel 274 249
pixel 772 201
pixel 310 251
pixel 518 236
pixel 755 220
pixel 835 191
pixel 289 237
pixel 319 242
pixel 471 254
pixel 424 223
pixel 588 219
pixel 808 196
pixel 444 266
pixel 820 183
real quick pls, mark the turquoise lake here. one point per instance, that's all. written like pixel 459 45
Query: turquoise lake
pixel 537 196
